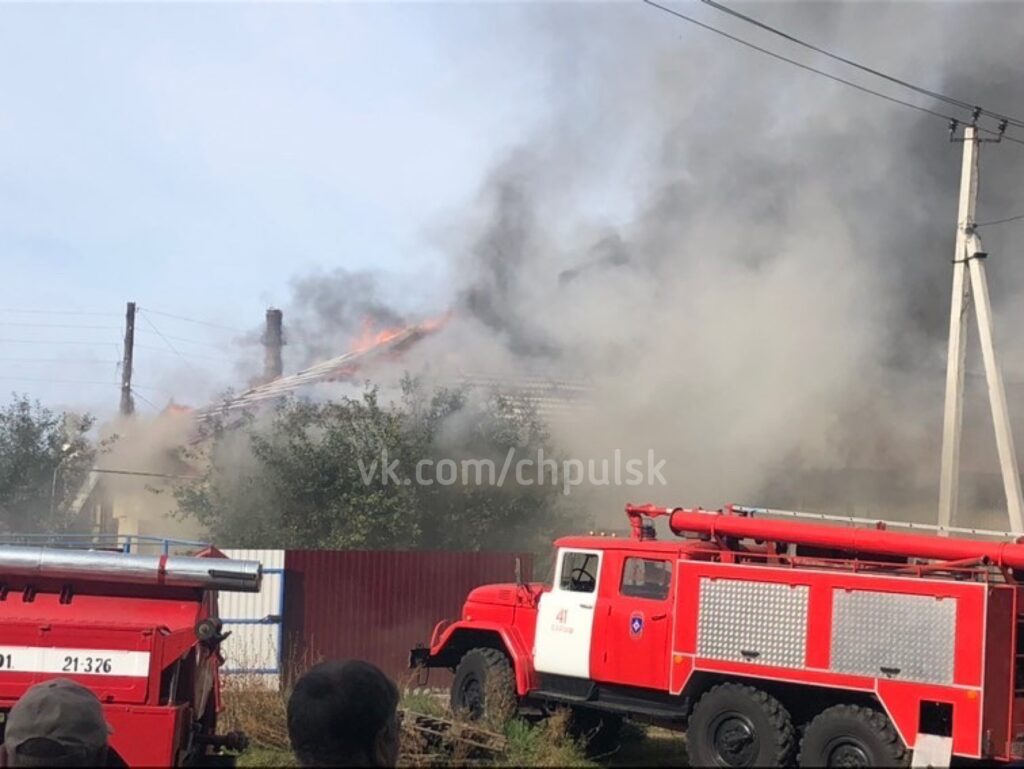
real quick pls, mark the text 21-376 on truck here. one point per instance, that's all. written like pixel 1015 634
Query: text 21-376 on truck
pixel 769 641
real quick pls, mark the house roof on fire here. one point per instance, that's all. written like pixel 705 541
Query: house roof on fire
pixel 547 396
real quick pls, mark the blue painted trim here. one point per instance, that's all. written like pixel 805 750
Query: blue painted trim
pixel 126 542
pixel 280 626
pixel 266 621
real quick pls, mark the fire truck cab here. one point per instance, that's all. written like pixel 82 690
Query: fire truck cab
pixel 770 642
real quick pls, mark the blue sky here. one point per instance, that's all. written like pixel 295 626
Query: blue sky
pixel 194 158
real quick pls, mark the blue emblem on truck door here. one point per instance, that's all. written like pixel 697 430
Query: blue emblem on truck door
pixel 636 624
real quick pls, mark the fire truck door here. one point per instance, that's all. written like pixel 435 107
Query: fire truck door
pixel 565 618
pixel 635 625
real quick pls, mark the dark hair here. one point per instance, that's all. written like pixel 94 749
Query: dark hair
pixel 336 712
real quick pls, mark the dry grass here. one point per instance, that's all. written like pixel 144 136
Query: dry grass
pixel 547 743
pixel 261 712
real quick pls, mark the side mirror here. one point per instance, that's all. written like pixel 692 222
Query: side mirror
pixel 519 571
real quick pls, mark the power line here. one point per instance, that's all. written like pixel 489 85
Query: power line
pixel 877 73
pixel 188 341
pixel 59 381
pixel 1013 139
pixel 144 399
pixel 161 350
pixel 148 475
pixel 58 341
pixel 60 325
pixel 73 361
pixel 153 388
pixel 1000 136
pixel 168 343
pixel 192 320
pixel 1000 221
pixel 55 312
pixel 801 65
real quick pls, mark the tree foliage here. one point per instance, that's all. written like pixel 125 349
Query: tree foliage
pixel 314 475
pixel 45 457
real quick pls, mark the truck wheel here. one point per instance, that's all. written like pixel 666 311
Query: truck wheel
pixel 850 735
pixel 484 688
pixel 738 725
pixel 598 731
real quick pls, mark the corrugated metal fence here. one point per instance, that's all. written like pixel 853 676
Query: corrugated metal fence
pixel 377 605
pixel 255 619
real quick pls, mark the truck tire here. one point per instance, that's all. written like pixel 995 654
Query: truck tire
pixel 484 688
pixel 738 725
pixel 851 735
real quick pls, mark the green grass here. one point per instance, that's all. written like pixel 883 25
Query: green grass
pixel 547 743
pixel 542 745
pixel 257 756
pixel 426 703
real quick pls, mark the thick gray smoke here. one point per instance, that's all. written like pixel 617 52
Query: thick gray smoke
pixel 749 263
pixel 329 312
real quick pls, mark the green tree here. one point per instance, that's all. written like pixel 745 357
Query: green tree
pixel 316 475
pixel 45 457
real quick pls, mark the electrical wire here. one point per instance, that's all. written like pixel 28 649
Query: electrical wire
pixel 56 312
pixel 74 361
pixel 59 325
pixel 144 399
pixel 953 121
pixel 59 341
pixel 877 73
pixel 168 343
pixel 153 388
pixel 801 65
pixel 999 221
pixel 190 320
pixel 186 340
pixel 161 350
pixel 59 381
pixel 1013 139
pixel 139 472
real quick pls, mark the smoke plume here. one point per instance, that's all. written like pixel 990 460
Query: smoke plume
pixel 749 264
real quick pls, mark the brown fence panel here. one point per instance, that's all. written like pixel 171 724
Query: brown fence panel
pixel 376 605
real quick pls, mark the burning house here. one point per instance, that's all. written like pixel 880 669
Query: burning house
pixel 136 499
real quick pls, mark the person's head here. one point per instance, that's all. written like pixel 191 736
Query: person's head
pixel 56 723
pixel 344 714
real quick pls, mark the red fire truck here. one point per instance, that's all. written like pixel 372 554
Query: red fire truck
pixel 768 640
pixel 141 631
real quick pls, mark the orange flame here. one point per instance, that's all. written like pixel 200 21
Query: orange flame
pixel 369 338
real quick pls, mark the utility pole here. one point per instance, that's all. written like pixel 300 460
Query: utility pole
pixel 273 341
pixel 969 278
pixel 127 401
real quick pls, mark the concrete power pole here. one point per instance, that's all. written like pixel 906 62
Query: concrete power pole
pixel 273 341
pixel 127 401
pixel 969 276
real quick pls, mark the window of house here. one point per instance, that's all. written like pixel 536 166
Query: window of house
pixel 579 572
pixel 646 578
